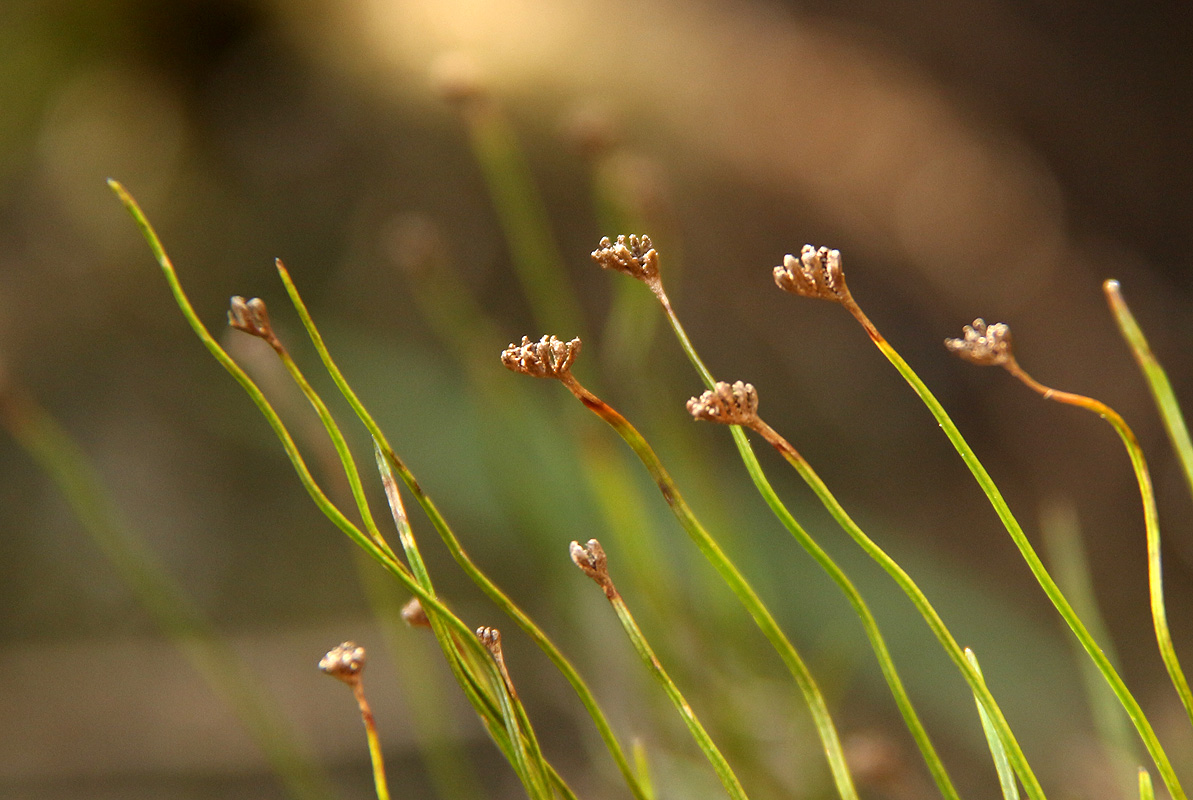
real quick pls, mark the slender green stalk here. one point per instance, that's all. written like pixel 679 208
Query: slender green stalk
pixel 732 577
pixel 523 215
pixel 1066 557
pixel 1006 776
pixel 163 598
pixel 1157 379
pixel 1146 792
pixel 462 638
pixel 1132 707
pixel 587 699
pixel 913 592
pixel 1151 517
pixel 591 559
pixel 647 272
pixel 346 663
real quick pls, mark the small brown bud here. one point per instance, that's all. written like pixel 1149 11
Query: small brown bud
pixel 634 256
pixel 414 615
pixel 345 662
pixel 251 317
pixel 590 558
pixel 729 405
pixel 985 345
pixel 816 273
pixel 546 358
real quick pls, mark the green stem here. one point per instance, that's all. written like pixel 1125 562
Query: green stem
pixel 461 635
pixel 733 578
pixel 163 598
pixel 869 624
pixel 1134 711
pixel 1157 380
pixel 1151 518
pixel 976 683
pixel 1006 776
pixel 646 652
pixel 587 699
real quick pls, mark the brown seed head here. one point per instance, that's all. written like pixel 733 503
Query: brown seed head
pixel 729 405
pixel 457 78
pixel 591 559
pixel 345 662
pixel 491 639
pixel 635 256
pixel 546 358
pixel 816 273
pixel 985 345
pixel 251 317
pixel 414 615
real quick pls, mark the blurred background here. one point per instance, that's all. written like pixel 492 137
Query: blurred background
pixel 985 158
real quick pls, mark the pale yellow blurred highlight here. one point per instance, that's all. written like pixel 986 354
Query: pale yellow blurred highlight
pixel 784 102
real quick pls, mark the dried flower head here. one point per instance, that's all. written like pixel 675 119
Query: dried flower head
pixel 345 661
pixel 986 345
pixel 729 405
pixel 590 558
pixel 635 256
pixel 414 615
pixel 816 273
pixel 491 639
pixel 457 78
pixel 546 358
pixel 251 317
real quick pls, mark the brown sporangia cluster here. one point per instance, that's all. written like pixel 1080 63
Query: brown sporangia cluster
pixel 591 559
pixel 985 345
pixel 345 661
pixel 251 317
pixel 816 273
pixel 546 358
pixel 735 404
pixel 633 255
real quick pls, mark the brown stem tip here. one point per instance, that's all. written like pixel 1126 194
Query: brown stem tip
pixel 985 345
pixel 590 558
pixel 635 256
pixel 546 358
pixel 816 273
pixel 727 404
pixel 346 662
pixel 251 317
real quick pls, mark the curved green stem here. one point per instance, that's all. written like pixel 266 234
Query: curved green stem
pixel 469 680
pixel 972 676
pixel 600 574
pixel 1133 709
pixel 1151 517
pixel 733 578
pixel 1157 380
pixel 503 601
pixel 824 560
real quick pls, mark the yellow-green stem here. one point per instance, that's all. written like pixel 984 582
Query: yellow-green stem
pixel 1142 725
pixel 1151 518
pixel 734 579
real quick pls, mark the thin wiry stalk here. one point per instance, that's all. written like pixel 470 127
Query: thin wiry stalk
pixel 1157 380
pixel 591 559
pixel 735 580
pixel 1006 776
pixel 587 699
pixel 914 593
pixel 163 598
pixel 648 274
pixel 1142 725
pixel 1151 517
pixel 462 637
